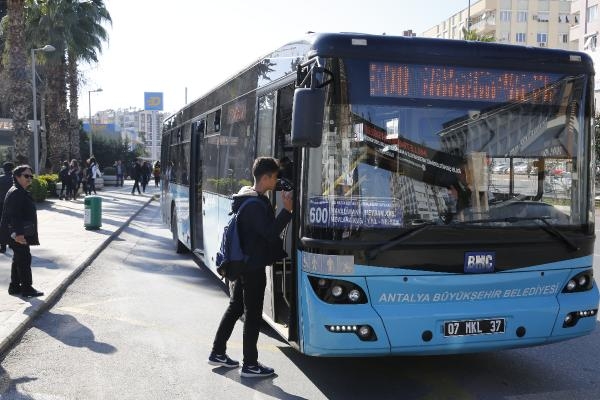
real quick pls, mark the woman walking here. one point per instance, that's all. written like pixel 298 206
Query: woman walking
pixel 18 229
pixel 93 173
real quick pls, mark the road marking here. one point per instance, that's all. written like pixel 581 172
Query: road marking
pixel 104 316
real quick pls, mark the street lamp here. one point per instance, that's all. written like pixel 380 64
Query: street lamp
pixel 36 152
pixel 90 111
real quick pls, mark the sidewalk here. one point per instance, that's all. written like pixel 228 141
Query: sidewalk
pixel 66 249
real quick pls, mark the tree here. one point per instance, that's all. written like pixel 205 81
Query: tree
pixel 18 89
pixel 46 20
pixel 85 42
pixel 74 28
pixel 473 35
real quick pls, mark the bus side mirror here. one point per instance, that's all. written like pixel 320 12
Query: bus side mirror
pixel 307 117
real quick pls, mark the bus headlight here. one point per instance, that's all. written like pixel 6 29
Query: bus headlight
pixel 364 332
pixel 354 296
pixel 580 283
pixel 337 291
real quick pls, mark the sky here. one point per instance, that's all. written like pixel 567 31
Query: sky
pixel 168 46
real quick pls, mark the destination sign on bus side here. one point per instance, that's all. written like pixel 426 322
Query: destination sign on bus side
pixel 461 83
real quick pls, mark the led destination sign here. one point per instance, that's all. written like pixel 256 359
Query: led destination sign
pixel 460 83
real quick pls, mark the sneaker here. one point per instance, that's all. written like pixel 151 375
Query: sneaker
pixel 30 292
pixel 222 360
pixel 256 371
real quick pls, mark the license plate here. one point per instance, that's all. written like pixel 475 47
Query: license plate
pixel 474 327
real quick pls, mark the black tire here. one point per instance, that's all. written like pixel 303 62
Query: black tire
pixel 179 247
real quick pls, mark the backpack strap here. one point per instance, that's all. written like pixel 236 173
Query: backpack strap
pixel 248 201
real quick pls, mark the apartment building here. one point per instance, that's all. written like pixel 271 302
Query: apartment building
pixel 540 23
pixel 584 34
pixel 137 126
pixel 150 130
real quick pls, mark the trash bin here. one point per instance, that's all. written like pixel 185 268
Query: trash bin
pixel 92 212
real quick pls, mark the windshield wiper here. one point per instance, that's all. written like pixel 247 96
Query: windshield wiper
pixel 546 227
pixel 372 253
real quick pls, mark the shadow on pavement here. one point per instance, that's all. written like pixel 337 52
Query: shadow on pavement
pixel 8 386
pixel 561 368
pixel 69 331
pixel 262 385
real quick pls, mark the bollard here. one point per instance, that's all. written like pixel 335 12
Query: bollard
pixel 92 212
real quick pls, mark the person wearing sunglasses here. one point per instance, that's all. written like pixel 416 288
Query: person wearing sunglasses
pixel 18 229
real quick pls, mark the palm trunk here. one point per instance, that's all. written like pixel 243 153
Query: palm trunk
pixel 19 87
pixel 73 104
pixel 58 138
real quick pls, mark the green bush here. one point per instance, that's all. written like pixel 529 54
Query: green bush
pixel 50 180
pixel 39 189
pixel 110 171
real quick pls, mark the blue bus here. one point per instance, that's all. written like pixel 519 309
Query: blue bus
pixel 443 191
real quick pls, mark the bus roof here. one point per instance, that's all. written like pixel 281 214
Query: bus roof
pixel 281 62
pixel 457 52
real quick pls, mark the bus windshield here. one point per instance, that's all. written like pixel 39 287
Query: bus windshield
pixel 411 144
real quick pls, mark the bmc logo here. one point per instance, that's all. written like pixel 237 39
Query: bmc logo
pixel 477 262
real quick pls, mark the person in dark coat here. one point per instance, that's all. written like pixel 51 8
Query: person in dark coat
pixel 65 179
pixel 137 177
pixel 6 181
pixel 259 232
pixel 18 229
pixel 146 171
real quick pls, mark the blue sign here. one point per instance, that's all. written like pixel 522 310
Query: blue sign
pixel 479 262
pixel 153 101
pixel 363 212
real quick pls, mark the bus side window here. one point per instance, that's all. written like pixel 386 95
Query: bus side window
pixel 217 122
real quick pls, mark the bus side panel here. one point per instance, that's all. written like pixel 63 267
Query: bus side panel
pixel 181 200
pixel 216 210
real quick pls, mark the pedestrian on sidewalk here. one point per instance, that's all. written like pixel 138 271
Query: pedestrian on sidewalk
pixel 259 232
pixel 119 171
pixel 137 176
pixel 146 171
pixel 93 173
pixel 156 173
pixel 65 180
pixel 18 229
pixel 74 175
pixel 6 181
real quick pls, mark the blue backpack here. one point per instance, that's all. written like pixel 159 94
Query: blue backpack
pixel 231 259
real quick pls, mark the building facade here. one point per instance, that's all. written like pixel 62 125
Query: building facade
pixel 150 130
pixel 539 23
pixel 138 127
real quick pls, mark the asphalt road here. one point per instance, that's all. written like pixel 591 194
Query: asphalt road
pixel 139 323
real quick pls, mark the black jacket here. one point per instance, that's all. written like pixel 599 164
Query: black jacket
pixel 19 210
pixel 259 230
pixel 6 181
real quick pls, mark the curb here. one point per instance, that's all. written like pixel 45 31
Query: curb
pixel 37 307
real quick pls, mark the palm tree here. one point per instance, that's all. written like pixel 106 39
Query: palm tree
pixel 18 76
pixel 85 41
pixel 46 25
pixel 74 28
